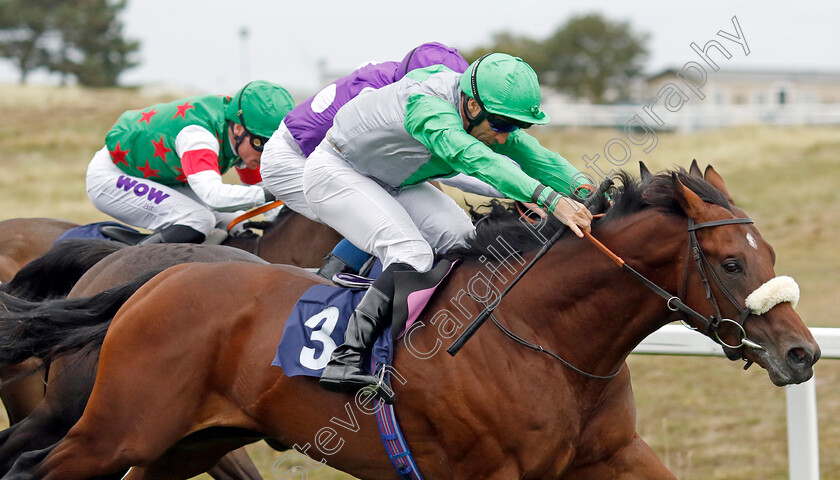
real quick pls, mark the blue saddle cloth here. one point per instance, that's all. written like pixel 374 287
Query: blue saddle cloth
pixel 90 230
pixel 316 327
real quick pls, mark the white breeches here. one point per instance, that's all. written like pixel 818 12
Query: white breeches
pixel 281 168
pixel 147 204
pixel 397 227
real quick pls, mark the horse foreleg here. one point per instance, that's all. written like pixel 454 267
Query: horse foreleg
pixel 21 396
pixel 186 461
pixel 235 465
pixel 82 454
pixel 38 430
pixel 636 461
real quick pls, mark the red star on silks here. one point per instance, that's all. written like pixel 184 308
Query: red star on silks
pixel 147 116
pixel 182 110
pixel 118 156
pixel 160 149
pixel 148 171
pixel 181 177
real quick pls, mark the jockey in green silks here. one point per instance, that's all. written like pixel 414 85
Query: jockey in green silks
pixel 369 178
pixel 161 167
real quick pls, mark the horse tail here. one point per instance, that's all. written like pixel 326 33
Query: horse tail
pixel 54 274
pixel 53 327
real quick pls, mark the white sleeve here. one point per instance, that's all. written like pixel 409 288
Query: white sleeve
pixel 194 137
pixel 224 197
pixel 207 184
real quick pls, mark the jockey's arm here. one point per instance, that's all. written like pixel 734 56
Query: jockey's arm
pixel 437 125
pixel 199 152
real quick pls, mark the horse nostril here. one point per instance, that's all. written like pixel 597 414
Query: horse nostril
pixel 799 357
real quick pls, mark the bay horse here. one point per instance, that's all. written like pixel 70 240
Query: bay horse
pixel 282 241
pixel 291 239
pixel 503 408
pixel 71 377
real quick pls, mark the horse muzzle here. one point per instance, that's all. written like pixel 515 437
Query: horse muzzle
pixel 794 365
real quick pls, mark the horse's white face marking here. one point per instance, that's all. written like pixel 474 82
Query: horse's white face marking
pixel 752 241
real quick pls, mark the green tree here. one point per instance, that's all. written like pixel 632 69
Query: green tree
pixel 588 57
pixel 93 48
pixel 82 38
pixel 26 30
pixel 523 47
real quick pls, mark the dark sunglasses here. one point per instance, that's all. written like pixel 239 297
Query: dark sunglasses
pixel 505 125
pixel 257 142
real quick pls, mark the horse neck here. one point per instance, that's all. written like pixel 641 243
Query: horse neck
pixel 296 240
pixel 592 302
pixel 249 244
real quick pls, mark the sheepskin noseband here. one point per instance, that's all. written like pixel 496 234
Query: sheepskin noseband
pixel 775 291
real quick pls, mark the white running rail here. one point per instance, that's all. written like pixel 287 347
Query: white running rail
pixel 803 441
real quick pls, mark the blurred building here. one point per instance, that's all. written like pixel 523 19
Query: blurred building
pixel 762 87
pixel 672 100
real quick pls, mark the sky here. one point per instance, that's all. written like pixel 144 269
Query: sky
pixel 199 44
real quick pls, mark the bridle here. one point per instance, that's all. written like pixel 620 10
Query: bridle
pixel 675 303
pixel 715 321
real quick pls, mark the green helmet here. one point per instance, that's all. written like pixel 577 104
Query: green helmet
pixel 506 86
pixel 259 106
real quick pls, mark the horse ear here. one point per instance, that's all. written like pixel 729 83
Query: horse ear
pixel 694 170
pixel 644 174
pixel 714 178
pixel 692 205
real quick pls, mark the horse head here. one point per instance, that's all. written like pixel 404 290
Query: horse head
pixel 730 280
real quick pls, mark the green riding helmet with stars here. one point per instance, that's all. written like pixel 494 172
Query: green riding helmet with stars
pixel 259 107
pixel 504 86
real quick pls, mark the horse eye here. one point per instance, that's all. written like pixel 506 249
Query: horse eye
pixel 732 267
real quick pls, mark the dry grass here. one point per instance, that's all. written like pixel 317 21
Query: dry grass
pixel 705 417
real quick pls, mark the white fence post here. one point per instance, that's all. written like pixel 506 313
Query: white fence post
pixel 803 438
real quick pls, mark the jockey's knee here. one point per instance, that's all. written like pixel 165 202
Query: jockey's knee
pixel 202 221
pixel 418 254
pixel 456 235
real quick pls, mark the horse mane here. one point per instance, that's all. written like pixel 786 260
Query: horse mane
pixel 630 197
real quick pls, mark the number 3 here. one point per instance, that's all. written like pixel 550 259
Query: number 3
pixel 308 357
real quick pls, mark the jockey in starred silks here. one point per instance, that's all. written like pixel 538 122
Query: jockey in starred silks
pixel 305 126
pixel 369 178
pixel 161 167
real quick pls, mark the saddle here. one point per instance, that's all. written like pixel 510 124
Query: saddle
pixel 412 290
pixel 128 235
pixel 122 233
pixel 318 321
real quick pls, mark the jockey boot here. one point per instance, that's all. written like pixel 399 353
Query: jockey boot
pixel 332 265
pixel 345 371
pixel 174 234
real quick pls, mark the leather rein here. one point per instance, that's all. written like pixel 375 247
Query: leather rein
pixel 674 303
